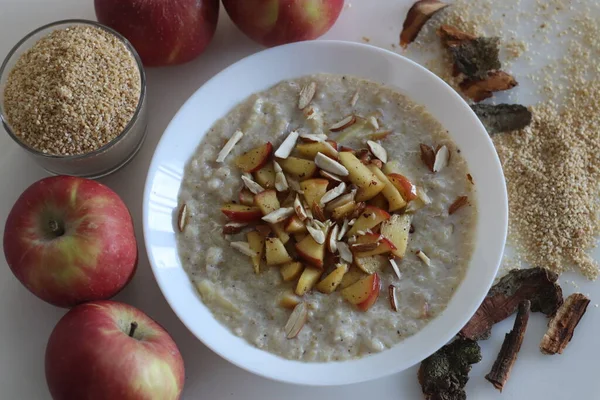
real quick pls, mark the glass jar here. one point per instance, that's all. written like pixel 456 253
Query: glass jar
pixel 106 159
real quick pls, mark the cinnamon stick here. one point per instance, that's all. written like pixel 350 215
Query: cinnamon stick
pixel 510 348
pixel 561 327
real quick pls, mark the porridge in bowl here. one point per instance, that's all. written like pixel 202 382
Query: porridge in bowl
pixel 326 218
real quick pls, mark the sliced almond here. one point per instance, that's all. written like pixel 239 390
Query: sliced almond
pixel 182 217
pixel 330 165
pixel 285 149
pixel 317 224
pixel 354 99
pixel 372 120
pixel 343 230
pixel 392 296
pixel 377 150
pixel 422 194
pixel 278 215
pixel 316 234
pixel 231 228
pixel 458 204
pixel 277 167
pixel 342 200
pixel 296 322
pixel 331 149
pixel 330 176
pixel 333 194
pixel 332 242
pixel 244 248
pixel 313 137
pixel 306 95
pixel 362 247
pixel 236 137
pixel 427 156
pixel 426 260
pixel 309 212
pixel 345 252
pixel 395 268
pixel 343 124
pixel 442 156
pixel 251 185
pixel 281 183
pixel 299 209
pixel 294 185
pixel 352 221
pixel 318 212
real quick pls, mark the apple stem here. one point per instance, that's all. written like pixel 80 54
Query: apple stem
pixel 55 228
pixel 134 326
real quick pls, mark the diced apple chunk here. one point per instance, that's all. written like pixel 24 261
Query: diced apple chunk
pixel 257 244
pixel 307 280
pixel 298 168
pixel 370 218
pixel 265 176
pixel 384 245
pixel 363 291
pixel 241 213
pixel 276 252
pixel 246 197
pixel 390 192
pixel 311 251
pixel 314 189
pixel 369 185
pixel 254 159
pixel 310 150
pixel 289 300
pixel 267 201
pixel 294 225
pixel 279 230
pixel 371 264
pixel 291 271
pixel 353 275
pixel 343 211
pixel 406 188
pixel 330 283
pixel 379 201
pixel 396 229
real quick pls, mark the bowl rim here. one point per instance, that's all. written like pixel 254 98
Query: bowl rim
pixel 501 218
pixel 130 124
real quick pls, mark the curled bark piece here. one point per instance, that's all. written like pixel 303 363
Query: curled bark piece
pixel 535 284
pixel 444 374
pixel 481 89
pixel 510 348
pixel 417 17
pixel 561 327
pixel 499 118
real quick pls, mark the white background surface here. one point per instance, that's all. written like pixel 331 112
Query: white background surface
pixel 26 322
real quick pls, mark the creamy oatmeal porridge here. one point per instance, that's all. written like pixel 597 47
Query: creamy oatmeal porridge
pixel 262 246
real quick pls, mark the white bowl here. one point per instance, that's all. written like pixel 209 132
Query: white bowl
pixel 258 72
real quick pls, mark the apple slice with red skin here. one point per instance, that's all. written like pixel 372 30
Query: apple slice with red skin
pixel 267 201
pixel 371 264
pixel 246 197
pixel 396 229
pixel 298 168
pixel 311 251
pixel 241 213
pixel 310 150
pixel 384 246
pixel 364 292
pixel 69 240
pixel 110 350
pixel 390 191
pixel 406 188
pixel 254 159
pixel 366 221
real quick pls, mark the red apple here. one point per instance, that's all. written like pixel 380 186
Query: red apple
pixel 164 32
pixel 70 240
pixel 275 22
pixel 109 350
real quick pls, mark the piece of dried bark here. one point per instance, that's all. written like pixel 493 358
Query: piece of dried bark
pixel 481 89
pixel 561 327
pixel 444 374
pixel 510 348
pixel 451 36
pixel 535 284
pixel 427 156
pixel 499 118
pixel 477 57
pixel 417 16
